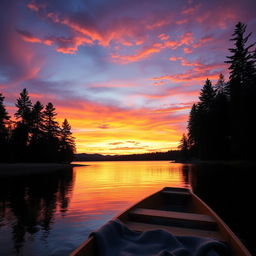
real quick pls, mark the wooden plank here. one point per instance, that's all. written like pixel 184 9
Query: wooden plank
pixel 177 231
pixel 172 218
pixel 175 193
pixel 174 215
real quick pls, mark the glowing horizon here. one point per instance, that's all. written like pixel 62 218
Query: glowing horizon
pixel 125 75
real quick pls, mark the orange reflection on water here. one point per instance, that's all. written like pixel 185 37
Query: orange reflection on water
pixel 110 187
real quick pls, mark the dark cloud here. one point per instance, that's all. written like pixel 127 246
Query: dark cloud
pixel 115 143
pixel 128 148
pixel 104 126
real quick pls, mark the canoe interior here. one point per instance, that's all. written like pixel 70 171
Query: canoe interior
pixel 176 210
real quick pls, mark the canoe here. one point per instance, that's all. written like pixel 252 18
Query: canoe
pixel 178 211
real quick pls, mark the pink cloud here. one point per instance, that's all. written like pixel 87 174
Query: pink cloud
pixel 163 37
pixel 183 21
pixel 187 50
pixel 189 76
pixel 158 23
pixel 146 52
pixel 199 71
pixel 63 45
pixel 202 41
pixel 185 39
pixel 186 63
pixel 191 10
pixel 36 7
pixel 157 83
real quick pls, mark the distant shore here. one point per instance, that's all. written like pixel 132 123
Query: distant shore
pixel 16 169
pixel 223 162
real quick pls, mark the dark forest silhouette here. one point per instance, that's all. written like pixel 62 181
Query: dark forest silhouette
pixel 35 136
pixel 221 124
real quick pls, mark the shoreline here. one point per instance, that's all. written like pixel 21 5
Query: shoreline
pixel 222 162
pixel 19 169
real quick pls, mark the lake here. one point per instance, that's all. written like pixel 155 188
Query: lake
pixel 53 213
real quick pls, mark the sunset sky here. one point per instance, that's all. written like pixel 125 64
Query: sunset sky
pixel 125 73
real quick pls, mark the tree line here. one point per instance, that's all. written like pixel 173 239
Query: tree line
pixel 222 124
pixel 153 156
pixel 35 135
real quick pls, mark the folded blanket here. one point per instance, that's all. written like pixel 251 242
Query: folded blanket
pixel 116 239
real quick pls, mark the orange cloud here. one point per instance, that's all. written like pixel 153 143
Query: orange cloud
pixel 158 23
pixel 188 76
pixel 116 143
pixel 199 72
pixel 186 63
pixel 33 6
pixel 175 108
pixel 139 56
pixel 159 83
pixel 64 45
pixel 185 39
pixel 128 148
pixel 163 37
pixel 29 37
pixel 202 41
pixel 187 50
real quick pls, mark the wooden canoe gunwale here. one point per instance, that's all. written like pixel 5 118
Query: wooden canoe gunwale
pixel 87 248
pixel 231 239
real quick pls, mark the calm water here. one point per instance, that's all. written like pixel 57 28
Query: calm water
pixel 51 214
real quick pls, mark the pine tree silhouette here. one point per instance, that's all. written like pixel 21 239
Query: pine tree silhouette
pixel 51 134
pixel 242 91
pixel 4 133
pixel 220 125
pixel 67 142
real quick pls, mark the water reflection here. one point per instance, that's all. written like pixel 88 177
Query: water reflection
pixel 116 185
pixel 52 214
pixel 28 205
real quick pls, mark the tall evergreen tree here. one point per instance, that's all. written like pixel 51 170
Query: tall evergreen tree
pixel 221 116
pixel 4 134
pixel 194 130
pixel 20 135
pixel 37 132
pixel 206 97
pixel 4 117
pixel 240 60
pixel 67 142
pixel 51 134
pixel 205 124
pixel 24 106
pixel 242 90
pixel 37 115
pixel 184 146
pixel 51 126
